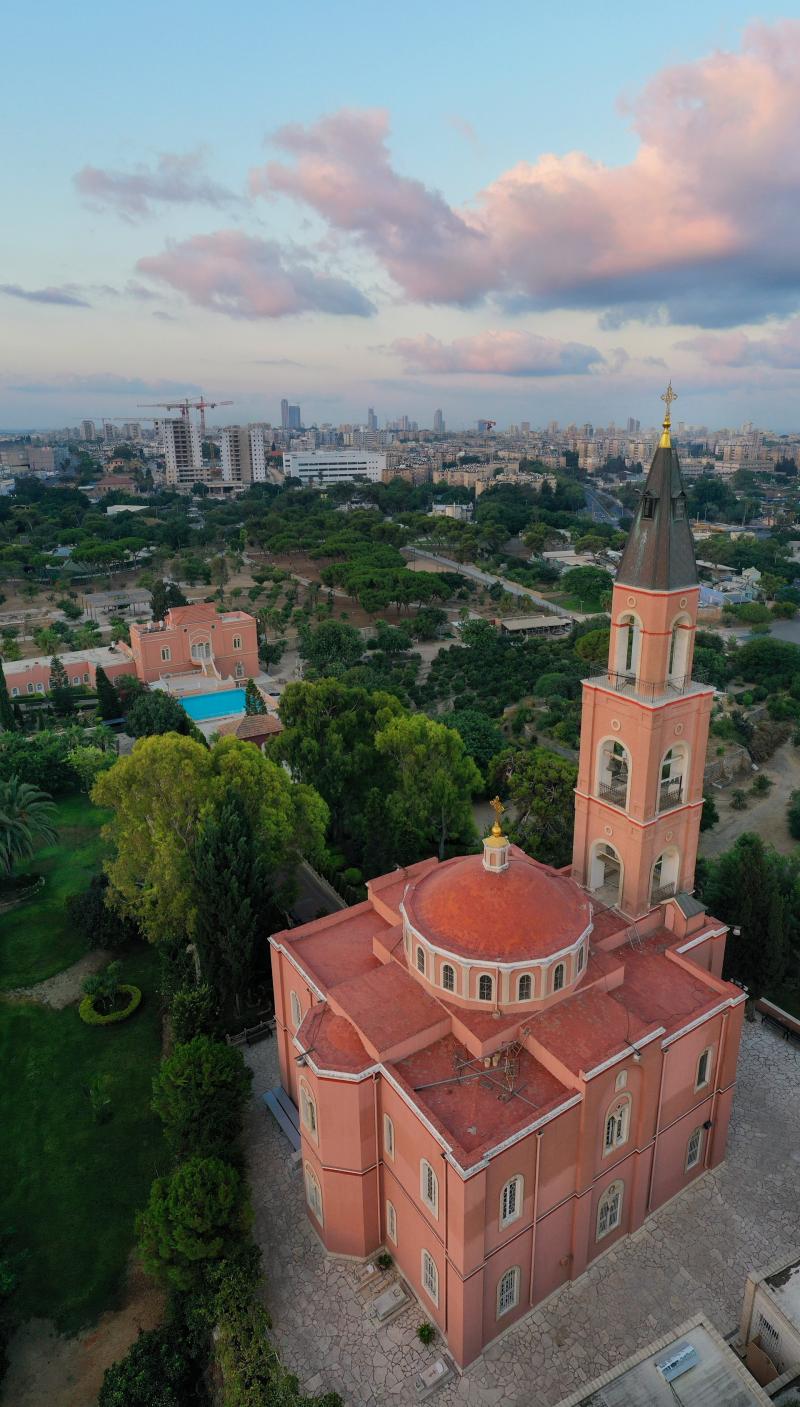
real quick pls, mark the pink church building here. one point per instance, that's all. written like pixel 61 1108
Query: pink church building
pixel 501 1069
pixel 196 639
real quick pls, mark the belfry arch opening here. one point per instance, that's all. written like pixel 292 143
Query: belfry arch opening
pixel 673 777
pixel 664 876
pixel 613 772
pixel 680 642
pixel 628 645
pixel 605 873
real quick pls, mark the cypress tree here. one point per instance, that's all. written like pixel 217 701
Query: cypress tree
pixel 232 903
pixel 60 691
pixel 8 722
pixel 108 701
pixel 253 702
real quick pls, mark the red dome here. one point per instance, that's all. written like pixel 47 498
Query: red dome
pixel 524 911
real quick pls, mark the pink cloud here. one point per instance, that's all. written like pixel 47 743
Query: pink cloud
pixel 700 224
pixel 780 349
pixel 245 277
pixel 176 179
pixel 498 354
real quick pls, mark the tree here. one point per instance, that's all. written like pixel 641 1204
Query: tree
pixel 482 738
pixel 430 804
pixel 90 915
pixel 199 1094
pixel 540 787
pixel 87 762
pixel 27 815
pixel 103 987
pixel 793 815
pixel 108 701
pixel 234 913
pixel 333 647
pixel 160 796
pixel 427 623
pixel 709 814
pixel 129 688
pixel 253 699
pixel 754 889
pixel 163 596
pixel 194 1011
pixel 8 722
pixel 40 759
pixel 159 712
pixel 593 646
pixel 157 1371
pixel 591 585
pixel 193 1218
pixel 60 689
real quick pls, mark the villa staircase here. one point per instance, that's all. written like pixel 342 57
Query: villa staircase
pixel 285 1114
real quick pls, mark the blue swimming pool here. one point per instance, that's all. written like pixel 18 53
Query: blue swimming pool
pixel 201 707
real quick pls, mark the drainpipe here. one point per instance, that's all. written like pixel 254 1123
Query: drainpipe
pixel 539 1137
pixel 446 1304
pixel 651 1183
pixel 722 1043
pixel 377 1152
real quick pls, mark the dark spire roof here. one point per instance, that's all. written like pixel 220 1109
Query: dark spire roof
pixel 659 553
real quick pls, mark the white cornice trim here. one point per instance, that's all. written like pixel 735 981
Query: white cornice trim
pixel 702 938
pixel 631 1049
pixel 701 1020
pixel 620 810
pixel 301 972
pixel 484 963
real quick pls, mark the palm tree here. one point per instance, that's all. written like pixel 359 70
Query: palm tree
pixel 26 815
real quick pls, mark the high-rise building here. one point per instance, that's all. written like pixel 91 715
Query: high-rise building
pixel 284 414
pixel 109 432
pixel 633 425
pixel 525 427
pixel 182 453
pixel 294 421
pixel 438 423
pixel 372 419
pixel 237 459
pixel 88 431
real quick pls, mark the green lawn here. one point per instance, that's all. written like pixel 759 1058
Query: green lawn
pixel 69 1188
pixel 37 938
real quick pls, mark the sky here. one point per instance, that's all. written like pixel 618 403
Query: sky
pixel 514 212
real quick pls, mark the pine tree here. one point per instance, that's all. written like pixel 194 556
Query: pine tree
pixel 253 700
pixel 60 691
pixel 231 904
pixel 108 701
pixel 8 722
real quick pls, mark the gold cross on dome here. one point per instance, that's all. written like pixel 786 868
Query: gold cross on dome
pixel 668 397
pixel 497 806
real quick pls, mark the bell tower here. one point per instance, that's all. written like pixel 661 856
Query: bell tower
pixel 644 727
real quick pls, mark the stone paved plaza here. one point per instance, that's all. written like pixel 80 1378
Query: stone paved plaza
pixel 692 1255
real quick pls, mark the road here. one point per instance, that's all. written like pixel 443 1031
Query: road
pixel 425 561
pixel 604 508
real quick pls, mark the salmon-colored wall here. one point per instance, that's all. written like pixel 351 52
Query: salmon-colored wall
pixel 148 642
pixel 20 675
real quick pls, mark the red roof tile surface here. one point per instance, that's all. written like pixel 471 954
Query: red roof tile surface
pixel 388 1005
pixel 333 1042
pixel 527 910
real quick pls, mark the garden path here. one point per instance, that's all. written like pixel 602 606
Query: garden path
pixel 67 986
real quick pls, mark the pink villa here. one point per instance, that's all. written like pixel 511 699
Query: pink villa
pixel 501 1069
pixel 214 645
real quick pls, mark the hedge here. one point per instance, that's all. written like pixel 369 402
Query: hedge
pixel 88 1014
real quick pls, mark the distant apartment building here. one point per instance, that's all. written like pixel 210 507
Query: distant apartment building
pixel 284 414
pixel 372 420
pixel 88 431
pixel 295 422
pixel 247 456
pixel 195 639
pixel 182 453
pixel 319 468
pixel 438 423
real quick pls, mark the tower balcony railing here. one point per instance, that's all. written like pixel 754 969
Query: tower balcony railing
pixel 615 791
pixel 649 690
pixel 670 793
pixel 661 892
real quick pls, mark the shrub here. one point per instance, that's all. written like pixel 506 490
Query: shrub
pixel 101 926
pixel 426 1333
pixel 199 1094
pixel 155 1372
pixel 194 1011
pixel 762 784
pixel 193 1218
pixel 793 815
pixel 92 1017
pixel 383 1261
pixel 738 800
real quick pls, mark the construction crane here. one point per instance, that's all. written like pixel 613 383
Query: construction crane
pixel 490 424
pixel 184 407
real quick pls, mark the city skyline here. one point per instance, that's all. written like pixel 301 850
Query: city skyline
pixel 319 230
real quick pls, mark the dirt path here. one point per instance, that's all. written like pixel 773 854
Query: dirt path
pixel 47 1367
pixel 764 814
pixel 66 987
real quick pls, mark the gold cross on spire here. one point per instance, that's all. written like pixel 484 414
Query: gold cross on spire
pixel 668 397
pixel 497 806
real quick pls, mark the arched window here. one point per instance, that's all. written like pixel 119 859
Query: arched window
pixel 508 1291
pixel 628 644
pixel 511 1199
pixel 524 988
pixel 617 1124
pixel 308 1110
pixel 391 1222
pixel 613 772
pixel 388 1136
pixel 703 1069
pixel 605 873
pixel 558 977
pixel 581 959
pixel 237 642
pixel 694 1148
pixel 679 648
pixel 672 779
pixel 609 1210
pixel 429 1186
pixel 430 1277
pixel 313 1192
pixel 421 960
pixel 297 1010
pixel 664 876
pixel 448 978
pixel 485 988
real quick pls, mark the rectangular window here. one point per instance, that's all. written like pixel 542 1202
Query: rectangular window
pixel 30 688
pixel 429 1187
pixel 391 1222
pixel 693 1149
pixel 508 1291
pixel 40 688
pixel 388 1136
pixel 166 653
pixel 76 679
pixel 86 679
pixel 237 642
pixel 703 1069
pixel 430 1276
pixel 14 693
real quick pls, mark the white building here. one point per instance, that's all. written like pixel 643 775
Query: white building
pixel 769 1329
pixel 319 468
pixel 182 453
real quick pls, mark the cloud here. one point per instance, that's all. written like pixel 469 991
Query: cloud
pixel 108 384
pixel 699 227
pixel 780 349
pixel 246 277
pixel 176 179
pixel 498 354
pixel 67 295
